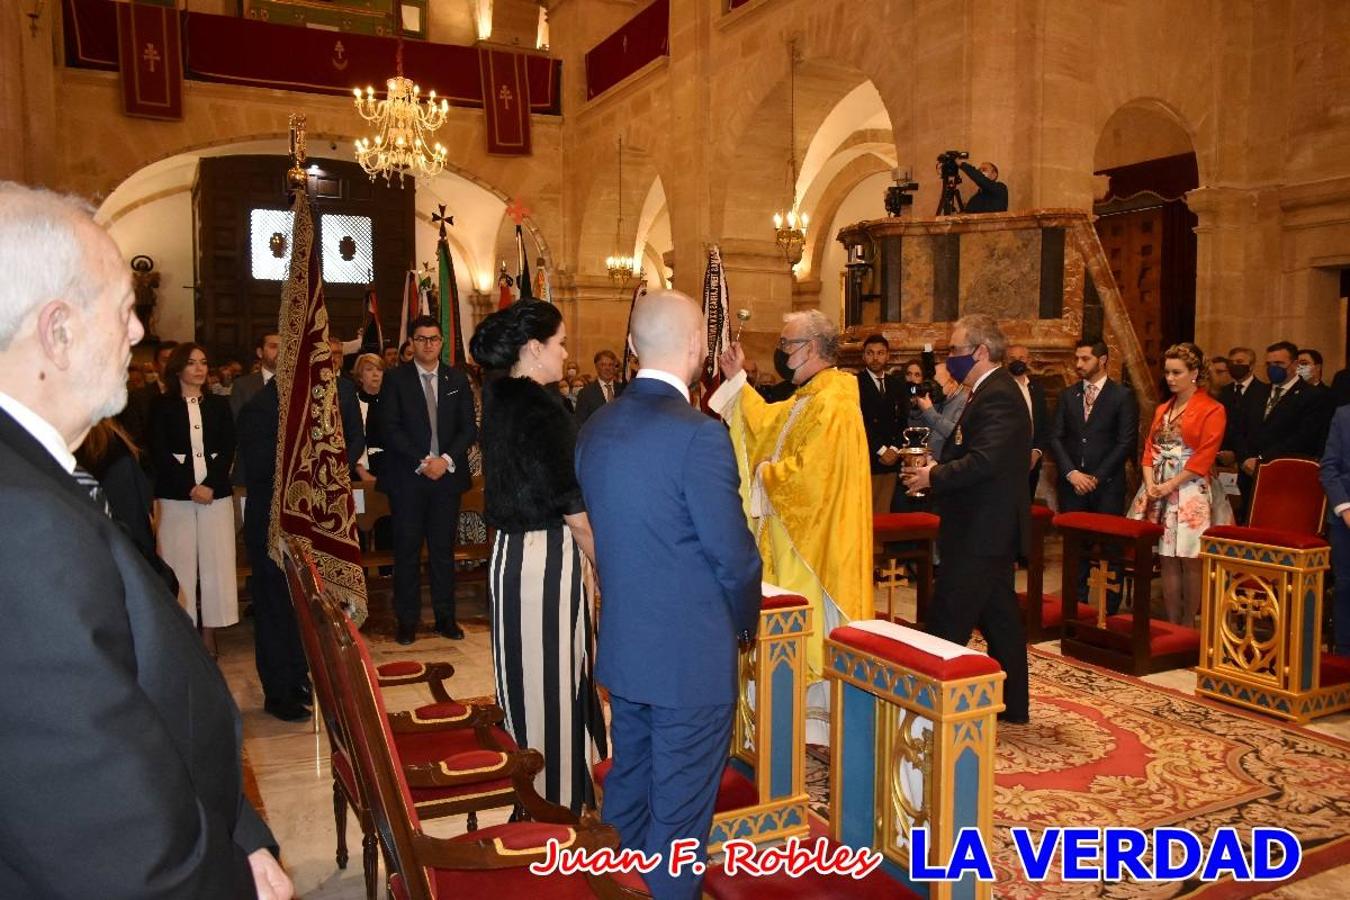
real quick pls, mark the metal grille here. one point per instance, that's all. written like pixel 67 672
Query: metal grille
pixel 265 225
pixel 348 249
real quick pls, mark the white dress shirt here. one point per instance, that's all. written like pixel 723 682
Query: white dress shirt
pixel 672 380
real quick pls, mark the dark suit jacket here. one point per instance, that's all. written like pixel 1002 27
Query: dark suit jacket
pixel 980 486
pixel 1293 428
pixel 991 196
pixel 881 415
pixel 406 430
pixel 121 773
pixel 245 386
pixel 1239 409
pixel 135 418
pixel 1335 469
pixel 590 398
pixel 1100 446
pixel 678 567
pixel 171 446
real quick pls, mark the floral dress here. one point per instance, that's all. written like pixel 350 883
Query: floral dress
pixel 1185 513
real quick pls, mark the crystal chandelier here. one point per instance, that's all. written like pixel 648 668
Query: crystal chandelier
pixel 622 268
pixel 789 225
pixel 403 125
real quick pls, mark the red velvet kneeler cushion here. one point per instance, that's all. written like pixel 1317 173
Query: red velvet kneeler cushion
pixel 920 523
pixel 1334 670
pixel 1163 637
pixel 965 665
pixel 782 601
pixel 1108 525
pixel 1292 540
pixel 1044 513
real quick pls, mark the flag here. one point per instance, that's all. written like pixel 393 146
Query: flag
pixel 452 348
pixel 543 288
pixel 523 289
pixel 638 291
pixel 372 335
pixel 313 502
pixel 715 309
pixel 412 306
pixel 505 284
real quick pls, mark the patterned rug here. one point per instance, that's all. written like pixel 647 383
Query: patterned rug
pixel 1107 749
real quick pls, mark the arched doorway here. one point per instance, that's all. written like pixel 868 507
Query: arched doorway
pixel 1145 226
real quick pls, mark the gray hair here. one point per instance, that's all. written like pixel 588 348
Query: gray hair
pixel 42 254
pixel 983 329
pixel 822 331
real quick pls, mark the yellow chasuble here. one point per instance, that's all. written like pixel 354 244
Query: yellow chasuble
pixel 807 490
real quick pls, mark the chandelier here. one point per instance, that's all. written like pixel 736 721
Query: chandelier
pixel 622 268
pixel 403 123
pixel 789 225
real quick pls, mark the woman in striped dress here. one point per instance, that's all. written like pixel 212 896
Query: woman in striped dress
pixel 542 631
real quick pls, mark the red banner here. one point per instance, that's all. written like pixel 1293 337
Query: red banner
pixel 506 96
pixel 638 41
pixel 151 61
pixel 283 57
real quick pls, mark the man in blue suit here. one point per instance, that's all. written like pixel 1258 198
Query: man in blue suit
pixel 680 576
pixel 1336 482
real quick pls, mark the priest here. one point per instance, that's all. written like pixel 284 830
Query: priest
pixel 806 486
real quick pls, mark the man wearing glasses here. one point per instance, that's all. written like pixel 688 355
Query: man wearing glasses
pixel 979 488
pixel 805 471
pixel 427 421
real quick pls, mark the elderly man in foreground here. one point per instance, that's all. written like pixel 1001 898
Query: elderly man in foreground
pixel 806 484
pixel 121 750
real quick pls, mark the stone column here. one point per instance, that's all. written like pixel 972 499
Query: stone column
pixel 1230 276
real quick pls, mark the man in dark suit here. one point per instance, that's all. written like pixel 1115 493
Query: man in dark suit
pixel 1019 366
pixel 1244 400
pixel 135 418
pixel 246 386
pixel 880 396
pixel 1289 423
pixel 681 579
pixel 121 773
pixel 979 488
pixel 278 652
pixel 991 195
pixel 602 390
pixel 1310 371
pixel 427 424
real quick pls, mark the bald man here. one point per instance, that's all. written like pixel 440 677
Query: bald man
pixel 681 579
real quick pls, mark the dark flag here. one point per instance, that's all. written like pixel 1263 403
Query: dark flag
pixel 313 502
pixel 525 291
pixel 452 348
pixel 372 335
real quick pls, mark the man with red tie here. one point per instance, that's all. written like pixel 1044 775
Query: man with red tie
pixel 601 391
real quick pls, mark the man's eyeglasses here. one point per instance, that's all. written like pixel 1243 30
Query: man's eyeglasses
pixel 427 339
pixel 785 343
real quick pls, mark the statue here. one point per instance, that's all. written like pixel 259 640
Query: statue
pixel 145 283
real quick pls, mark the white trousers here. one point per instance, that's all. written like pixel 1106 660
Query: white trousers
pixel 198 540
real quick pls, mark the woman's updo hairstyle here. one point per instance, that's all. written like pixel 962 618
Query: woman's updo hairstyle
pixel 1190 356
pixel 497 340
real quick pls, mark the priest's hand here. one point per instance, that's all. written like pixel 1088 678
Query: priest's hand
pixel 917 480
pixel 732 360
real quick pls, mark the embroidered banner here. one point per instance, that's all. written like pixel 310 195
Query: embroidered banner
pixel 288 58
pixel 506 95
pixel 151 61
pixel 638 41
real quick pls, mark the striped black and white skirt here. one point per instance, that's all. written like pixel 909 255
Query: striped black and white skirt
pixel 543 641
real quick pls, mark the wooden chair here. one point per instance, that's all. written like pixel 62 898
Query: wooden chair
pixel 444 734
pixel 377 556
pixel 1134 643
pixel 492 862
pixel 915 532
pixel 1042 613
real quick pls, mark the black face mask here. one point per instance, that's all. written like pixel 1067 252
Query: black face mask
pixel 1238 372
pixel 1018 367
pixel 780 365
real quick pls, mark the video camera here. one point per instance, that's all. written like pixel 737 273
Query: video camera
pixel 947 162
pixel 926 388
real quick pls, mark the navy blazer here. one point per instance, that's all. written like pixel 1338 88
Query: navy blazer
pixel 1335 472
pixel 123 750
pixel 679 570
pixel 1100 445
pixel 405 428
pixel 883 416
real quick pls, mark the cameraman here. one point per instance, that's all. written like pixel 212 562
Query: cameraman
pixel 941 419
pixel 992 195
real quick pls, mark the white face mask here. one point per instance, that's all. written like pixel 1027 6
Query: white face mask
pixel 1304 372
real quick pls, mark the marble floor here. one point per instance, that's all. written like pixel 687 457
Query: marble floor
pixel 290 761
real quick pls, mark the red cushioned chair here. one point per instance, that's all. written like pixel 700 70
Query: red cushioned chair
pixel 1134 643
pixel 458 740
pixel 1288 496
pixel 1042 613
pixel 916 531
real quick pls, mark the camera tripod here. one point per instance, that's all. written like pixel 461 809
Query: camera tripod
pixel 951 202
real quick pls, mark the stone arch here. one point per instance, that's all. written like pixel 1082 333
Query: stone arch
pixel 600 207
pixel 653 240
pixel 1142 129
